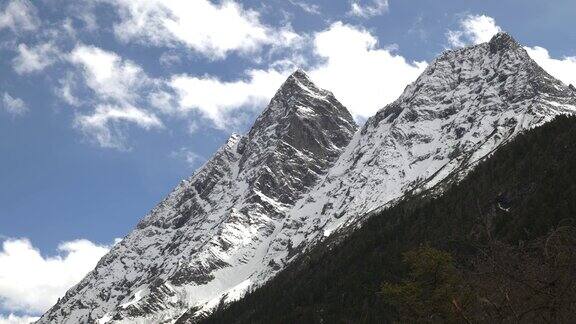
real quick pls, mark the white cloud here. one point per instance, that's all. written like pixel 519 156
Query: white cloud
pixel 164 101
pixel 475 29
pixel 110 77
pixel 82 16
pixel 118 86
pixel 211 29
pixel 361 75
pixel 103 123
pixel 564 69
pixel 191 158
pixel 15 319
pixel 217 99
pixel 169 59
pixel 34 59
pixel 374 8
pixel 31 282
pixel 66 90
pixel 307 7
pixel 14 106
pixel 193 127
pixel 18 15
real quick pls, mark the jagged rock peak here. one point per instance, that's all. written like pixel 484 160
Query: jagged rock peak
pixel 299 83
pixel 499 44
pixel 300 99
pixel 502 41
pixel 299 74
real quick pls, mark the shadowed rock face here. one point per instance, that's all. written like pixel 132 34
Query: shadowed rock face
pixel 208 238
pixel 503 42
pixel 302 124
pixel 301 173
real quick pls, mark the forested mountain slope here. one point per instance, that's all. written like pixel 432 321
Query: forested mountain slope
pixel 514 202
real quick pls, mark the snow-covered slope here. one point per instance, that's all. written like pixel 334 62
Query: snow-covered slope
pixel 300 174
pixel 465 105
pixel 209 236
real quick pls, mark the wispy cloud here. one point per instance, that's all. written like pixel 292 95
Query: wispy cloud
pixel 118 86
pixel 102 124
pixel 369 8
pixel 307 7
pixel 218 29
pixel 14 106
pixel 18 15
pixel 35 59
pixel 191 158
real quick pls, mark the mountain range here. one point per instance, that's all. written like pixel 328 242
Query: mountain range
pixel 305 174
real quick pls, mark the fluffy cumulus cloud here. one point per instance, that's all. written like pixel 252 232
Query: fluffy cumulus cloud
pixel 362 75
pixel 18 16
pixel 475 29
pixel 14 106
pixel 30 283
pixel 206 27
pixel 564 68
pixel 117 85
pixel 220 101
pixel 367 9
pixel 34 59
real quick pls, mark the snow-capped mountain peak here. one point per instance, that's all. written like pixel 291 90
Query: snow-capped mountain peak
pixel 303 172
pixel 207 239
pixel 466 104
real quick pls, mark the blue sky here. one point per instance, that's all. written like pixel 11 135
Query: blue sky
pixel 106 105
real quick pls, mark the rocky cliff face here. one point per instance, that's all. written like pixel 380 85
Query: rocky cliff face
pixel 207 239
pixel 301 173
